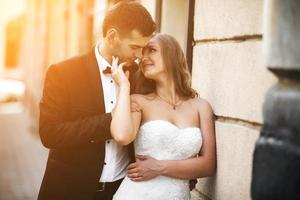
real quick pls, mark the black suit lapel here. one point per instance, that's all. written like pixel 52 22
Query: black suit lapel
pixel 95 81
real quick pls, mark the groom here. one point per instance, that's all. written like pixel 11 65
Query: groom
pixel 75 111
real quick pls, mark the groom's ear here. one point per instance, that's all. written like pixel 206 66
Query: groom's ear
pixel 112 36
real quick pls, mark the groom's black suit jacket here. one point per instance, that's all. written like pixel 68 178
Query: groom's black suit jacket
pixel 74 126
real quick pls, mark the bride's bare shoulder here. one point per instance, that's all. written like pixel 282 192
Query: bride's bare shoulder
pixel 202 105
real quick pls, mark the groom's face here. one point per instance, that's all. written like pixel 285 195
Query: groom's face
pixel 129 48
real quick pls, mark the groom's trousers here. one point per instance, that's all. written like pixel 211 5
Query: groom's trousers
pixel 105 191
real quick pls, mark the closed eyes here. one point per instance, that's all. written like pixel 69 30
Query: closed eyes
pixel 148 49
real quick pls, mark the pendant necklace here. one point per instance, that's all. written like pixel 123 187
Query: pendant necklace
pixel 173 105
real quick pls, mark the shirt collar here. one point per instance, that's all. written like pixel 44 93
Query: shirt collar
pixel 102 63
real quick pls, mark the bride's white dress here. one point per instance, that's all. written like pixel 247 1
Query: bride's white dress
pixel 163 141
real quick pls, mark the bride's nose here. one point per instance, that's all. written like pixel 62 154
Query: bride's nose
pixel 144 58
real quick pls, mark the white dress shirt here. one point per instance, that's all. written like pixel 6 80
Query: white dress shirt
pixel 116 156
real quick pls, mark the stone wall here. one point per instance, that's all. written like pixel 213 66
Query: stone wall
pixel 229 71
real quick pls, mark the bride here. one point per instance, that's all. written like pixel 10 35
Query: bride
pixel 172 128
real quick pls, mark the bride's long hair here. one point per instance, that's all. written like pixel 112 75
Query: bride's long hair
pixel 176 66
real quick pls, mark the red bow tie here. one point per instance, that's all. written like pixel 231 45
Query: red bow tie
pixel 107 70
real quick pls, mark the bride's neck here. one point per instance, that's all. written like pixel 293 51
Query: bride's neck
pixel 166 90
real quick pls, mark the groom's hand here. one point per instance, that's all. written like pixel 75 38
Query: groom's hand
pixel 145 168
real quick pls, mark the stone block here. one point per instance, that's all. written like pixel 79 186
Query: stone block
pixel 224 19
pixel 282 30
pixel 235 146
pixel 233 78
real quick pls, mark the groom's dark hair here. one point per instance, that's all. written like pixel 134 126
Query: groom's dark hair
pixel 128 16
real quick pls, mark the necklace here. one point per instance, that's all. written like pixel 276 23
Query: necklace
pixel 174 105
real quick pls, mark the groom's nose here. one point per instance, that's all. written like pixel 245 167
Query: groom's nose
pixel 138 53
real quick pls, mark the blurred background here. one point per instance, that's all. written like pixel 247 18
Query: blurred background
pixel 223 42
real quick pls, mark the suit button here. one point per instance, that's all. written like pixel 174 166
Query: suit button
pixel 104 163
pixel 111 102
pixel 92 141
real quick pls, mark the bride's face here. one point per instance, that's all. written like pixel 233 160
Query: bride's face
pixel 152 62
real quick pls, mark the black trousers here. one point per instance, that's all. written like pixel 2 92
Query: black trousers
pixel 106 191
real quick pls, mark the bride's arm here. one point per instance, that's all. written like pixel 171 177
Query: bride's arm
pixel 124 124
pixel 201 166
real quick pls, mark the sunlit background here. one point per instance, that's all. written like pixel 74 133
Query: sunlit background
pixel 12 86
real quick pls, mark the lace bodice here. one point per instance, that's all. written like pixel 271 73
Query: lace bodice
pixel 163 141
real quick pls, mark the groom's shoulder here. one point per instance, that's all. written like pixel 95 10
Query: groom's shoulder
pixel 72 68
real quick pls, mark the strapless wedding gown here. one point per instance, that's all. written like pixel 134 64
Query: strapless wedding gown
pixel 163 141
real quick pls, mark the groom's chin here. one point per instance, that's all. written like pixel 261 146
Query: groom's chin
pixel 131 66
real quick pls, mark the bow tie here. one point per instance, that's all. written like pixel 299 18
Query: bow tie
pixel 107 70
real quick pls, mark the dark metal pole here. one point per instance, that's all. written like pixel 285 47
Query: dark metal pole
pixel 190 34
pixel 158 7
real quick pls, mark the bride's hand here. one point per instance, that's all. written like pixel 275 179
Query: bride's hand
pixel 118 74
pixel 144 168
